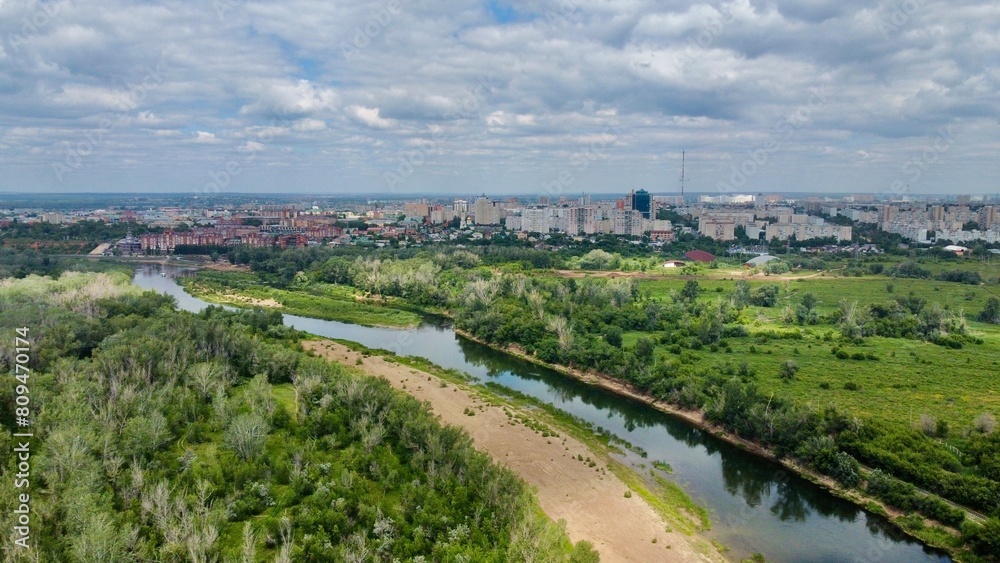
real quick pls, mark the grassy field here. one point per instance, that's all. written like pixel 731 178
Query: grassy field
pixel 829 289
pixel 909 377
pixel 324 301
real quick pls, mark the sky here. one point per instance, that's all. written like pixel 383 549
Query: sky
pixel 536 97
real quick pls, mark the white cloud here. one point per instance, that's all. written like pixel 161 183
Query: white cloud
pixel 709 78
pixel 283 98
pixel 251 146
pixel 309 125
pixel 370 117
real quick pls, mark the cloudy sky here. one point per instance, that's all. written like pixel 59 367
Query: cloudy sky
pixel 469 96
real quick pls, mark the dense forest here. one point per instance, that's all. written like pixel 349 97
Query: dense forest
pixel 678 346
pixel 168 436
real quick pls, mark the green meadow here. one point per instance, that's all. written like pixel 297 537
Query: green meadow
pixel 899 380
pixel 909 378
pixel 320 300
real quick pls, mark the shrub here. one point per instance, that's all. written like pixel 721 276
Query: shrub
pixel 765 296
pixel 985 538
pixel 985 423
pixel 776 267
pixel 959 276
pixel 246 435
pixel 845 469
pixel 788 370
pixel 909 270
pixel 927 424
pixel 613 336
pixel 991 313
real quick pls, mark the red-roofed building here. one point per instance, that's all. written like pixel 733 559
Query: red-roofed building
pixel 700 256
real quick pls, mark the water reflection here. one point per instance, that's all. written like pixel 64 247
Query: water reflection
pixel 755 505
pixel 747 481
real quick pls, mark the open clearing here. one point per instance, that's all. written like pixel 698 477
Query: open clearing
pixel 591 501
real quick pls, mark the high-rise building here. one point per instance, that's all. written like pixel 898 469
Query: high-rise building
pixel 936 213
pixel 642 202
pixel 535 220
pixel 889 213
pixel 584 221
pixel 987 217
pixel 627 222
pixel 419 210
pixel 487 211
pixel 717 228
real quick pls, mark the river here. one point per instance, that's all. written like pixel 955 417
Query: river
pixel 755 505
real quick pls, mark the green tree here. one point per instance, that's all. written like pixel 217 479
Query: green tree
pixel 741 294
pixel 583 552
pixel 246 435
pixel 600 260
pixel 644 349
pixel 613 336
pixel 690 291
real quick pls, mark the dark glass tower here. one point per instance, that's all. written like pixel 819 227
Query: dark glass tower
pixel 642 202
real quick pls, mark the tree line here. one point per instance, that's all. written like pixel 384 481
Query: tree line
pixel 168 436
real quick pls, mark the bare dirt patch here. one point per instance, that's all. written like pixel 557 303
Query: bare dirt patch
pixel 591 501
pixel 612 274
pixel 226 267
pixel 252 301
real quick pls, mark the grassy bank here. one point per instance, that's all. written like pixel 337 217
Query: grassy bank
pixel 323 301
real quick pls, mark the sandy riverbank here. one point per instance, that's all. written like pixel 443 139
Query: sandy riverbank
pixel 591 501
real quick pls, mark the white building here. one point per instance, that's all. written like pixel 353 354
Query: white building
pixel 784 231
pixel 535 220
pixel 628 222
pixel 989 237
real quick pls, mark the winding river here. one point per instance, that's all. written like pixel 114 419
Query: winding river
pixel 755 505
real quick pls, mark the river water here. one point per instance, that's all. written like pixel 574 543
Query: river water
pixel 755 505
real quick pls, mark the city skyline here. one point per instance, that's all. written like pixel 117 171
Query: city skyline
pixel 543 98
